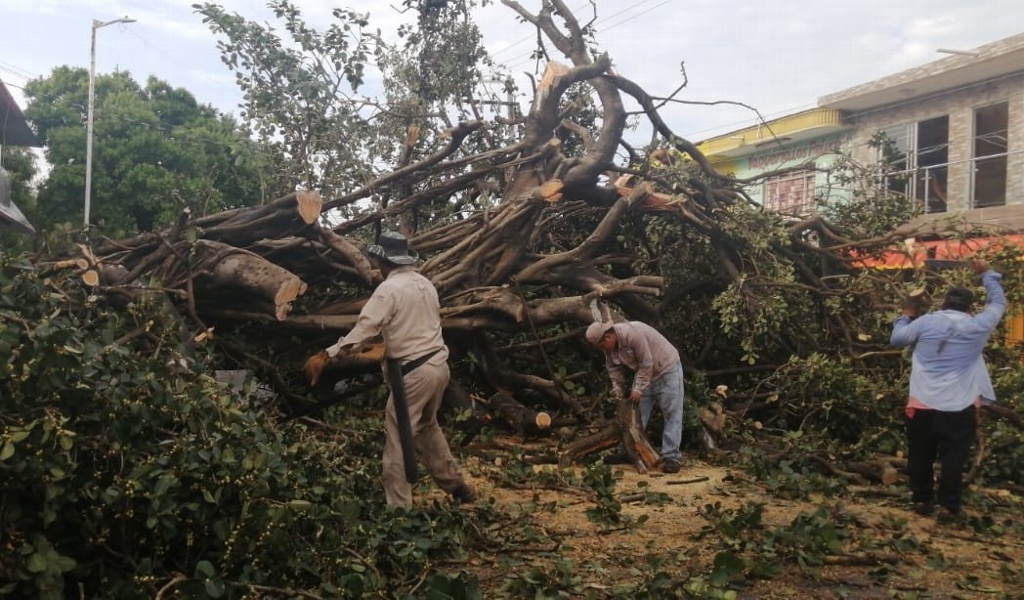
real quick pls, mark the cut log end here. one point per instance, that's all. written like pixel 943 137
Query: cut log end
pixel 291 289
pixel 91 278
pixel 550 191
pixel 309 204
pixel 543 420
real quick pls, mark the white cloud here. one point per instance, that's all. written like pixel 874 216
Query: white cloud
pixel 778 57
pixel 935 27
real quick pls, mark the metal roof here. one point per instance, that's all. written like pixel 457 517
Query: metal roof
pixel 984 63
pixel 10 215
pixel 14 129
pixel 808 124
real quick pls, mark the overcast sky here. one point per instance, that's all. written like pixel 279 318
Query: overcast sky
pixel 778 57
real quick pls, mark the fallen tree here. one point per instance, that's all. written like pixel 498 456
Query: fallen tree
pixel 154 476
pixel 525 237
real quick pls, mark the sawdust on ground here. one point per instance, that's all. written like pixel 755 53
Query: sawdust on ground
pixel 942 561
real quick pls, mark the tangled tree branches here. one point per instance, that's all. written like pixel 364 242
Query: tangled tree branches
pixel 522 236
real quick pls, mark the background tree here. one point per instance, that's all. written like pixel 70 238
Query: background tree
pixel 335 137
pixel 156 150
pixel 527 226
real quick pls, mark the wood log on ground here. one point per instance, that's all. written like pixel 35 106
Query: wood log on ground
pixel 607 437
pixel 638 449
pixel 833 469
pixel 712 422
pixel 524 421
pixel 625 429
pixel 875 470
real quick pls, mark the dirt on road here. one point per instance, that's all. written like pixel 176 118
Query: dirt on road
pixel 861 543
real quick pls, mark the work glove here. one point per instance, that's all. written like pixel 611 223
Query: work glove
pixel 334 350
pixel 315 366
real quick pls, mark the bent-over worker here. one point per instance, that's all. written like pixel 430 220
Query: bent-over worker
pixel 657 377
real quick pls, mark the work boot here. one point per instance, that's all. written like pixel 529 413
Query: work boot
pixel 463 495
pixel 925 509
pixel 670 466
pixel 951 517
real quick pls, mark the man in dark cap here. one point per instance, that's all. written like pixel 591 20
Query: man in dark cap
pixel 948 384
pixel 657 377
pixel 405 310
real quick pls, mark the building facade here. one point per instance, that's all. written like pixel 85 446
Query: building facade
pixel 804 144
pixel 951 133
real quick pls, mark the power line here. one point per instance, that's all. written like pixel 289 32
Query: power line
pixel 861 113
pixel 527 59
pixel 16 71
pixel 636 16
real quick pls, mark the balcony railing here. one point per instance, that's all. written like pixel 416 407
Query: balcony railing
pixel 985 183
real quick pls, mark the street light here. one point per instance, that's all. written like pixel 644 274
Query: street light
pixel 92 99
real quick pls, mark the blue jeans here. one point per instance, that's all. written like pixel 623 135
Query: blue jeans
pixel 668 391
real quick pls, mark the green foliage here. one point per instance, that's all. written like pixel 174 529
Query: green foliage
pixel 123 463
pixel 156 151
pixel 752 551
pixel 460 587
pixel 333 141
pixel 322 141
pixel 607 509
pixel 863 206
pixel 663 577
pixel 563 581
pixel 448 46
pixel 832 399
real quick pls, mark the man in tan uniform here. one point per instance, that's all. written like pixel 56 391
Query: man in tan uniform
pixel 405 310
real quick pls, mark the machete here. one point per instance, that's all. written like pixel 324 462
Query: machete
pixel 393 369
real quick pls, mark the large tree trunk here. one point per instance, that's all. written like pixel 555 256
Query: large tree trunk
pixel 222 269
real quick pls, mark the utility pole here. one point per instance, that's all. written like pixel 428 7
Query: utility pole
pixel 92 100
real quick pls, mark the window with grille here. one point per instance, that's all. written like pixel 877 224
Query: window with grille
pixel 792 193
pixel 990 147
pixel 916 161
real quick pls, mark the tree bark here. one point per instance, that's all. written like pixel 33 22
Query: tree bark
pixel 625 430
pixel 220 266
pixel 524 421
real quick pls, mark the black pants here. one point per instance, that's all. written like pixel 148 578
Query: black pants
pixel 947 436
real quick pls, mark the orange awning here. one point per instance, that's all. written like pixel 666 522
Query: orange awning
pixel 914 255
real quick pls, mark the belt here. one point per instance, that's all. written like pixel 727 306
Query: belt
pixel 415 363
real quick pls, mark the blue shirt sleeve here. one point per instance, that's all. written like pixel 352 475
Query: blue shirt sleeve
pixel 903 334
pixel 995 303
